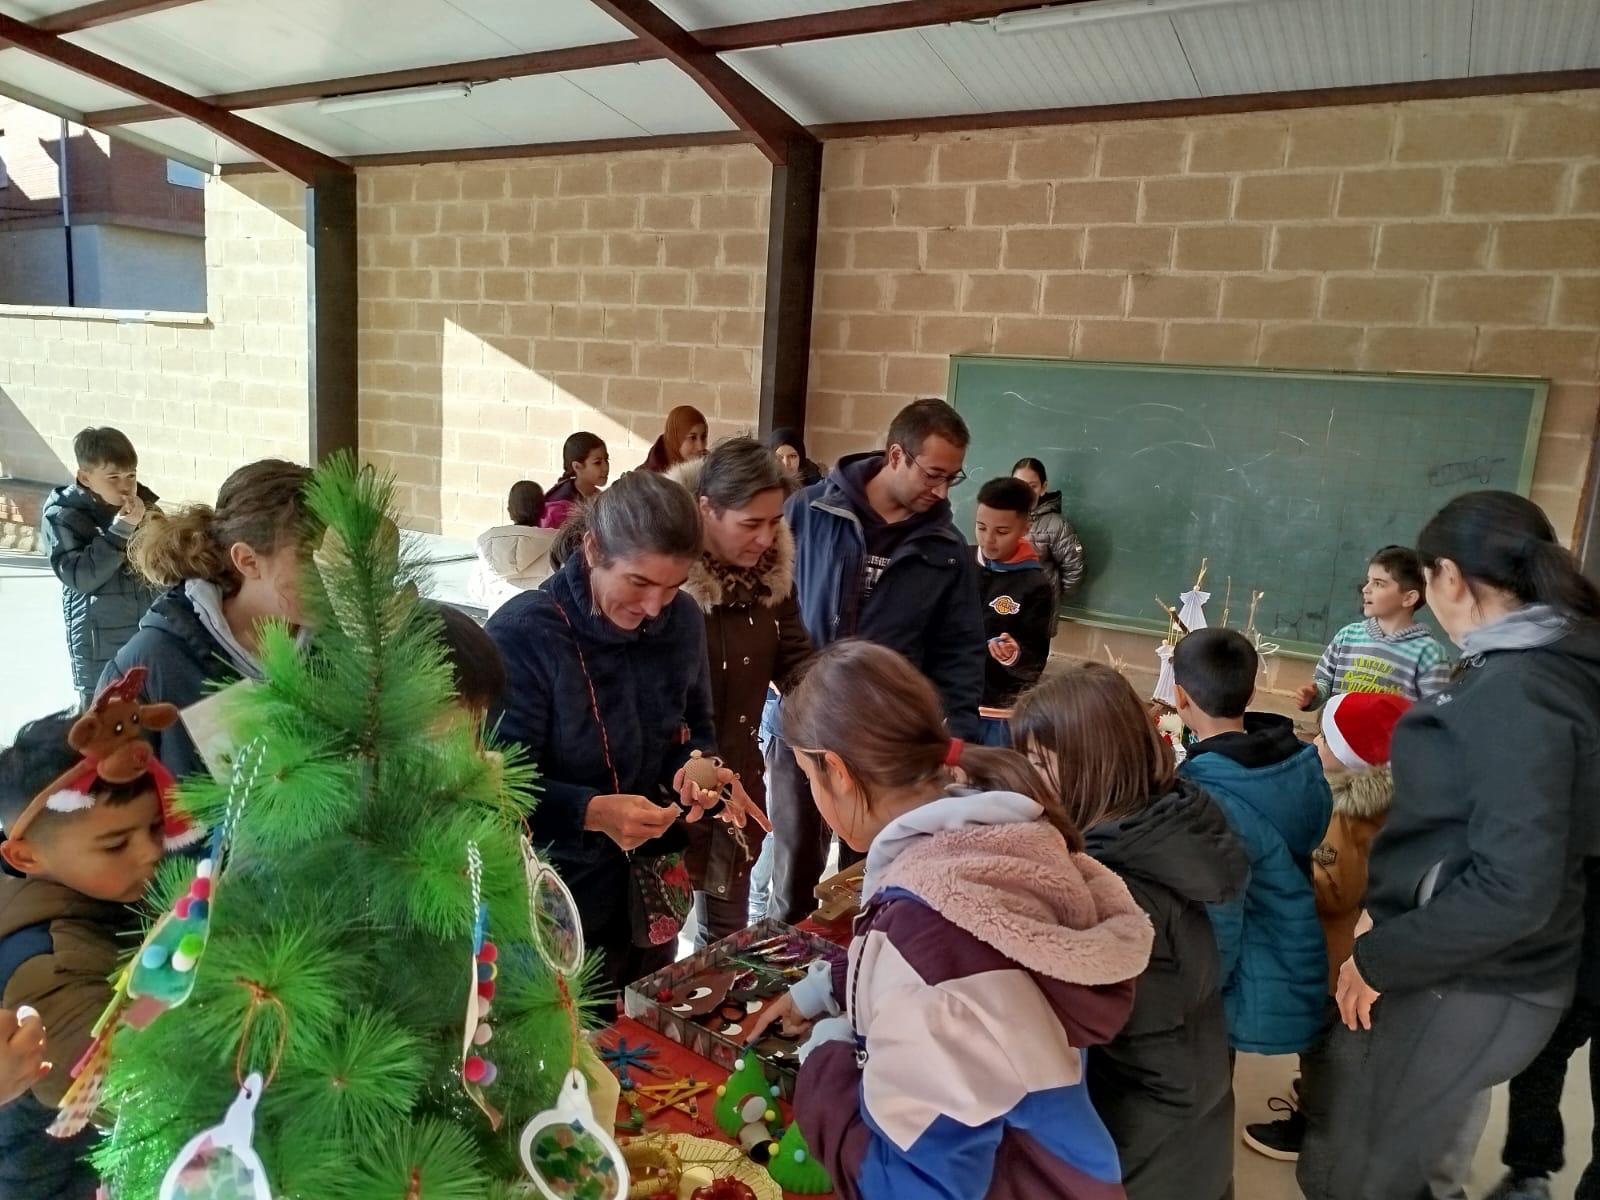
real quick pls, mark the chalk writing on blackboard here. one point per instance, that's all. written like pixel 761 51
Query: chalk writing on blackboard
pixel 1480 468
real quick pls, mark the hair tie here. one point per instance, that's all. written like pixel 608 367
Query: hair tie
pixel 952 754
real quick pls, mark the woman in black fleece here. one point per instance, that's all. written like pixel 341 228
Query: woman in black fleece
pixel 1476 890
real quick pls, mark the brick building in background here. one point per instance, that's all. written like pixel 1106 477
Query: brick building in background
pixel 135 220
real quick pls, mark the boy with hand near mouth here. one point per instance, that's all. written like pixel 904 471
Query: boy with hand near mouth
pixel 87 524
pixel 1018 604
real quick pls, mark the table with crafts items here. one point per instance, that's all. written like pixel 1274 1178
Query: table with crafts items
pixel 700 1115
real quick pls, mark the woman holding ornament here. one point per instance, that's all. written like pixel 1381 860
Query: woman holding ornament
pixel 744 584
pixel 609 692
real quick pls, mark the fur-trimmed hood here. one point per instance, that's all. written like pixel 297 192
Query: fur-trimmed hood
pixel 990 864
pixel 710 581
pixel 1365 795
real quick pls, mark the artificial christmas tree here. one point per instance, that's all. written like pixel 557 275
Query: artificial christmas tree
pixel 344 946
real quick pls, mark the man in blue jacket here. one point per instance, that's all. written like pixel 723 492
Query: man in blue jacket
pixel 877 557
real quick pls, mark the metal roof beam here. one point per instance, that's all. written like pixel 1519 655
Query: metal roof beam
pixel 288 156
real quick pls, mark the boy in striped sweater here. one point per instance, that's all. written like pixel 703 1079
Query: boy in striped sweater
pixel 1387 651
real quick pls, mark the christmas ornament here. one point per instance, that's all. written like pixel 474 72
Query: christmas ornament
pixel 653 1168
pixel 552 914
pixel 477 1071
pixel 1193 612
pixel 568 1155
pixel 795 1169
pixel 220 1163
pixel 724 1189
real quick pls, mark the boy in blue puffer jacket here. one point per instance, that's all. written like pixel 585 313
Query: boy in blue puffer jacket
pixel 1272 789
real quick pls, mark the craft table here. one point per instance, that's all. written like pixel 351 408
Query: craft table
pixel 682 1063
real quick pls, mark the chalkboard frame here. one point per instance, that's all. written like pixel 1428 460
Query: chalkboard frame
pixel 1538 389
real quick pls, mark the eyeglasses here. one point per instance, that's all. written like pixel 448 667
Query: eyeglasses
pixel 938 477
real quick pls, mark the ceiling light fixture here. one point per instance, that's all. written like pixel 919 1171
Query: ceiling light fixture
pixel 1035 19
pixel 443 91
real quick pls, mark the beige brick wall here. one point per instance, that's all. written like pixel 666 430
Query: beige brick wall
pixel 1458 236
pixel 199 395
pixel 506 305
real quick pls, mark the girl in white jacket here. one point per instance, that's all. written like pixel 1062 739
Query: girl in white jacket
pixel 516 557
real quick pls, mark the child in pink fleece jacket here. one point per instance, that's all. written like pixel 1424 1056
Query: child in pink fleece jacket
pixel 989 954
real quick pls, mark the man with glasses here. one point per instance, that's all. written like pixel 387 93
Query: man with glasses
pixel 877 557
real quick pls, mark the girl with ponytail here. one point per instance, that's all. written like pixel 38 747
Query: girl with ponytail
pixel 1476 890
pixel 1164 1085
pixel 989 953
pixel 585 467
pixel 228 570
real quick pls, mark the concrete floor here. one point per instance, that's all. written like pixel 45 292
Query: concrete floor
pixel 36 681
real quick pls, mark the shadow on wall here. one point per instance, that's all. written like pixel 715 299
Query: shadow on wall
pixel 24 454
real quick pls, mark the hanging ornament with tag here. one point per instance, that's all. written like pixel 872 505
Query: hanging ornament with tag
pixel 568 1155
pixel 477 1071
pixel 220 1163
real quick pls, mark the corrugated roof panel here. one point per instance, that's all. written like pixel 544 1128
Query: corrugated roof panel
pixel 700 14
pixel 1103 63
pixel 1289 45
pixel 1512 36
pixel 24 71
pixel 883 76
pixel 655 96
pixel 539 108
pixel 237 45
pixel 188 138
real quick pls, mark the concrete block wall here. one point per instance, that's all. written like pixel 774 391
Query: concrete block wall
pixel 506 305
pixel 199 394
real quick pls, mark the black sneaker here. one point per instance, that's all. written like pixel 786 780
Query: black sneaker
pixel 1280 1139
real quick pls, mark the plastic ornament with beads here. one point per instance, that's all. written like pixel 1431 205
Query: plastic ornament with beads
pixel 477 1070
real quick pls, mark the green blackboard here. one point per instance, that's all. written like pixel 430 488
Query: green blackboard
pixel 1286 480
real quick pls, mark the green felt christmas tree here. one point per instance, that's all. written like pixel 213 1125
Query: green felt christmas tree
pixel 795 1169
pixel 749 1078
pixel 339 957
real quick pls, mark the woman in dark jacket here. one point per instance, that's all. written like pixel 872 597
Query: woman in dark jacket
pixel 608 690
pixel 227 570
pixel 1476 886
pixel 790 447
pixel 1164 1085
pixel 744 583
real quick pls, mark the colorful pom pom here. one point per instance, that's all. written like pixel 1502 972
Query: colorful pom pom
pixel 487 971
pixel 204 870
pixel 200 889
pixel 181 908
pixel 198 910
pixel 799 1156
pixel 486 989
pixel 490 1074
pixel 154 957
pixel 489 953
pixel 191 945
pixel 474 1069
pixel 482 1035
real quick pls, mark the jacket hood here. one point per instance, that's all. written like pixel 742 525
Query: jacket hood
pixel 848 481
pixel 173 614
pixel 513 550
pixel 1527 628
pixel 32 901
pixel 707 582
pixel 563 489
pixel 1268 739
pixel 1050 502
pixel 1181 841
pixel 205 602
pixel 1366 795
pixel 1410 633
pixel 989 863
pixel 1023 558
pixel 75 495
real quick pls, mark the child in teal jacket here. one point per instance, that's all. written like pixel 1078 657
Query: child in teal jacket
pixel 1272 789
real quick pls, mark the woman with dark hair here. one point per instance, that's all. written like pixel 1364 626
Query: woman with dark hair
pixel 585 467
pixel 608 690
pixel 684 439
pixel 744 583
pixel 1476 888
pixel 516 557
pixel 1052 535
pixel 790 447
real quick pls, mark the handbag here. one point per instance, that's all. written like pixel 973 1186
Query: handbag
pixel 660 892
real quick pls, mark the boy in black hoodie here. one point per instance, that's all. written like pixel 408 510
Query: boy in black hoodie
pixel 1018 604
pixel 87 524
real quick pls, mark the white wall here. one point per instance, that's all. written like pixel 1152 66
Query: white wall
pixel 118 266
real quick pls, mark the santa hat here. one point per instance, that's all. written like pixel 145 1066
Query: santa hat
pixel 1358 727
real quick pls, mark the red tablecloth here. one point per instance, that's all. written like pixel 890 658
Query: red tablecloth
pixel 683 1064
